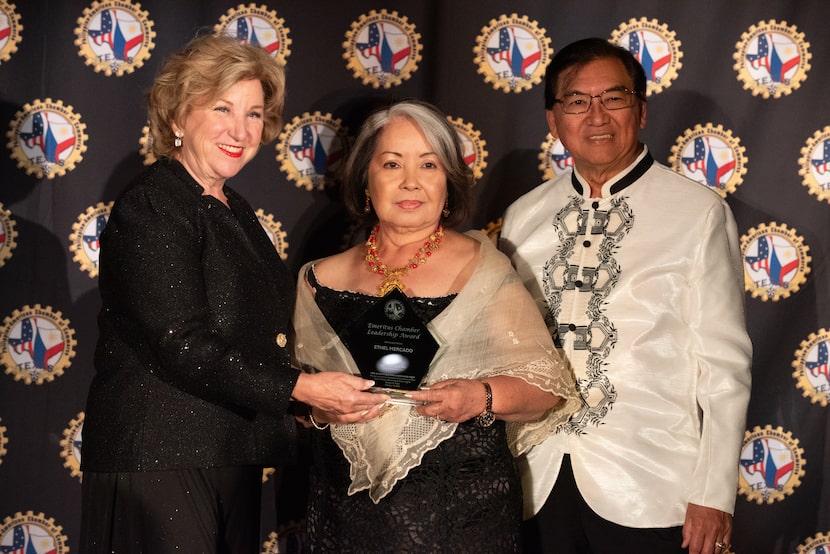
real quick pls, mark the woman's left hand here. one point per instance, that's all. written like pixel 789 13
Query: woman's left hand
pixel 453 400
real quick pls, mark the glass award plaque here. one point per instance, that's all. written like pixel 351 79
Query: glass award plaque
pixel 392 346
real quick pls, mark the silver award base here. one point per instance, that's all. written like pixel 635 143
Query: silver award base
pixel 397 396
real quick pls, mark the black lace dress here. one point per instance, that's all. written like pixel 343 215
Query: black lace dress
pixel 465 496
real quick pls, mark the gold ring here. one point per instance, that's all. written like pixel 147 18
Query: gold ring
pixel 721 545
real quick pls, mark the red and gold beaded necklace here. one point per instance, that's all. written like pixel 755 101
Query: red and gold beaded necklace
pixel 392 278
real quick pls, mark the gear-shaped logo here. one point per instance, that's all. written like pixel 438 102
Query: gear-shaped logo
pixel 257 25
pixel 267 472
pixel 36 344
pixel 772 465
pixel 274 231
pixel 811 367
pixel 711 156
pixel 311 149
pixel 472 146
pixel 10 30
pixel 85 239
pixel 114 36
pixel 146 146
pixel 814 164
pixel 817 544
pixel 776 261
pixel 772 59
pixel 47 138
pixel 4 440
pixel 382 49
pixel 554 158
pixel 34 533
pixel 394 309
pixel 655 47
pixel 512 53
pixel 493 228
pixel 71 446
pixel 8 234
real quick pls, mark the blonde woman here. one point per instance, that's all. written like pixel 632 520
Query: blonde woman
pixel 194 388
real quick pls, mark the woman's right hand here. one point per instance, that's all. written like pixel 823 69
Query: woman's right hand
pixel 340 396
pixel 322 417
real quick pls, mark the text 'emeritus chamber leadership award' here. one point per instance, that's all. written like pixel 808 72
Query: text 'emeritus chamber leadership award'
pixel 391 345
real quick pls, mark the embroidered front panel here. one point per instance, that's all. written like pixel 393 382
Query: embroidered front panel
pixel 576 282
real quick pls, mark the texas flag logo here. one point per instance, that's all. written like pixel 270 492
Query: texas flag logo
pixel 772 59
pixel 36 344
pixel 32 533
pixel 655 46
pixel 811 367
pixel 85 240
pixel 512 53
pixel 778 59
pixel 10 30
pixel 382 49
pixel 712 156
pixel 518 50
pixel 258 26
pixel 776 261
pixel 114 36
pixel 771 465
pixel 554 158
pixel 48 138
pixel 814 164
pixel 472 145
pixel 311 148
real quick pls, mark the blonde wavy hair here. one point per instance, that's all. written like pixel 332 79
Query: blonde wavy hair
pixel 207 67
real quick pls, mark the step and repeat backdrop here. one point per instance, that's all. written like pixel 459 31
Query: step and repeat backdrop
pixel 738 99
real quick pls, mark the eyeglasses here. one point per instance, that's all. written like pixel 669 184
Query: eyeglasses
pixel 613 99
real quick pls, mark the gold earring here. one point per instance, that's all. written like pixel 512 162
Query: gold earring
pixel 446 211
pixel 367 206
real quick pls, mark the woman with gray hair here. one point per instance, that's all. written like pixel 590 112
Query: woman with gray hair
pixel 194 389
pixel 435 472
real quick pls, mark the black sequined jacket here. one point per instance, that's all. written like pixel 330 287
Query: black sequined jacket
pixel 192 369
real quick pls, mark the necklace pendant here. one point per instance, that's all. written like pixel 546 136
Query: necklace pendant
pixel 390 284
pixel 392 279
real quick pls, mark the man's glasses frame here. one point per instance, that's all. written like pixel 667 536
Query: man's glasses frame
pixel 616 98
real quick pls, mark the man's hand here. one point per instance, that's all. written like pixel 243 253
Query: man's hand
pixel 705 529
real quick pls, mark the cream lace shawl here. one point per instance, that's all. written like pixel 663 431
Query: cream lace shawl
pixel 492 327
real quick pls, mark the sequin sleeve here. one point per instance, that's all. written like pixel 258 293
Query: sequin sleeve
pixel 191 292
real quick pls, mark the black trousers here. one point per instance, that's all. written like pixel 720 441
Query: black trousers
pixel 567 525
pixel 209 511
